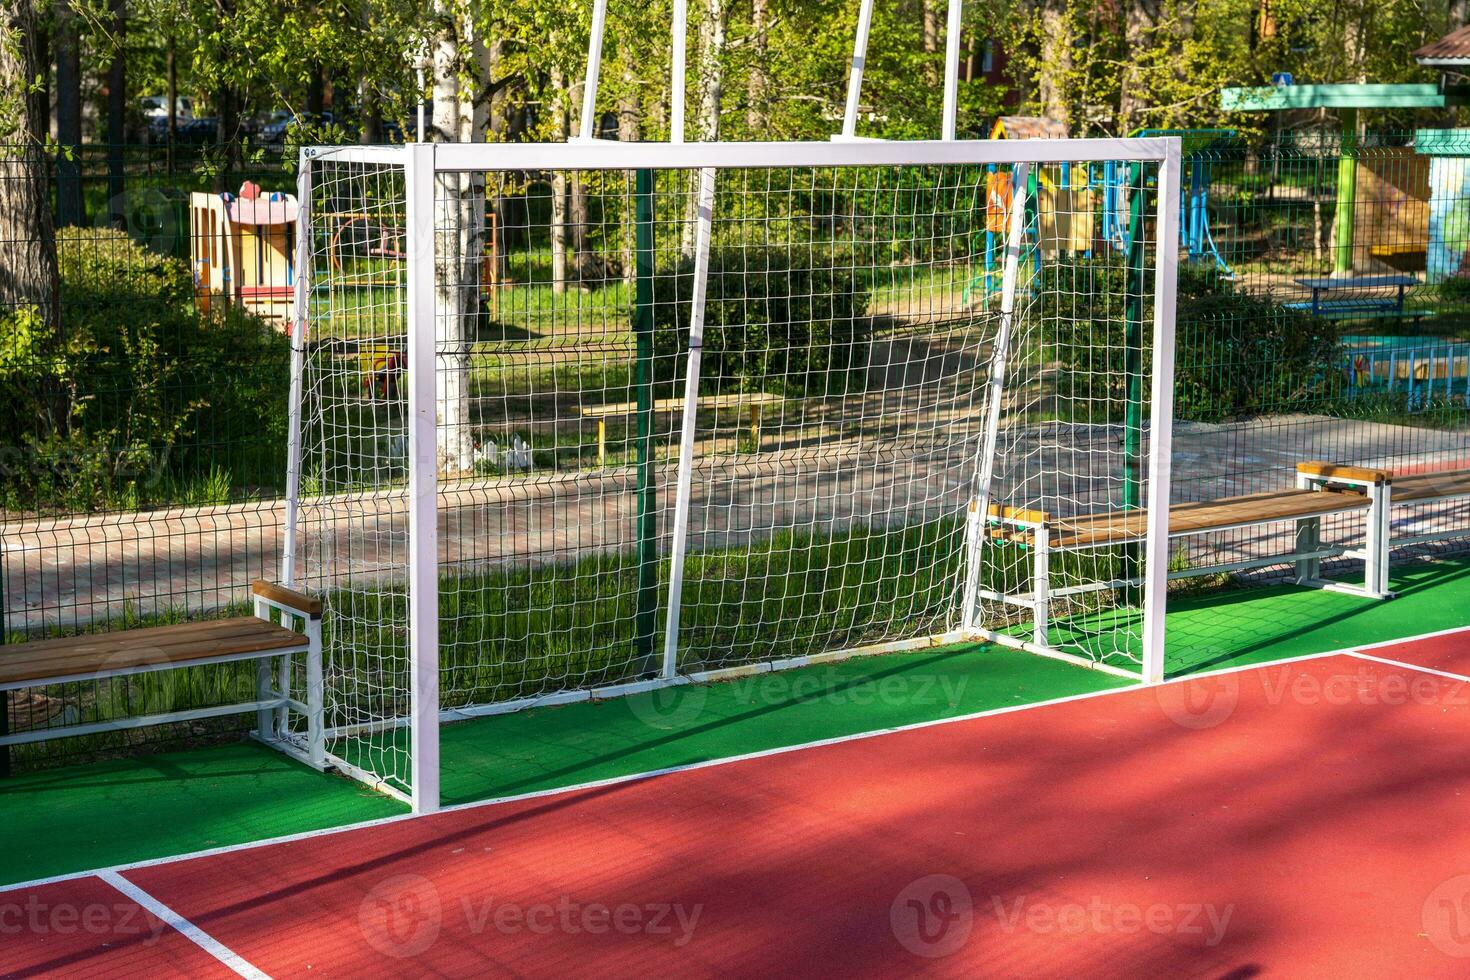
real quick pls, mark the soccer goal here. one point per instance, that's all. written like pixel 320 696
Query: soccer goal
pixel 712 409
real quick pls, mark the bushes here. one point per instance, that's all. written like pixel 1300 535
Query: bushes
pixel 135 398
pixel 782 321
pixel 1237 355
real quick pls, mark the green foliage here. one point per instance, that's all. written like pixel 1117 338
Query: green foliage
pixel 1237 355
pixel 776 320
pixel 135 394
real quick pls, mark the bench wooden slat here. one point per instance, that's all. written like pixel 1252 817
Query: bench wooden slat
pixel 300 601
pixel 156 646
pixel 1121 526
pixel 1329 471
pixel 1428 486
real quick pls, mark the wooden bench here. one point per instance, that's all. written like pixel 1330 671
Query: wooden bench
pixel 270 643
pixel 1414 488
pixel 1349 490
pixel 748 402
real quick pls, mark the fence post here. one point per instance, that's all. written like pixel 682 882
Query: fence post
pixel 646 615
pixel 1347 177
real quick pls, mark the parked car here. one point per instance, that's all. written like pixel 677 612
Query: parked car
pixel 155 114
pixel 280 121
pixel 200 130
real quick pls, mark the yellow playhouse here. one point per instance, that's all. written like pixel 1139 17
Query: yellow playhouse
pixel 242 247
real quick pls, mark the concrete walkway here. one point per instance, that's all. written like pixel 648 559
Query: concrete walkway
pixel 65 572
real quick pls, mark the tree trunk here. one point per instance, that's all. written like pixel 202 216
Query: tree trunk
pixel 931 40
pixel 316 93
pixel 711 91
pixel 711 70
pixel 171 92
pixel 117 101
pixel 28 276
pixel 69 203
pixel 454 292
pixel 630 130
pixel 1142 16
pixel 1055 76
pixel 756 84
pixel 561 127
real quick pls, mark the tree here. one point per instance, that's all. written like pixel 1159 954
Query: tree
pixel 459 234
pixel 28 275
pixel 67 45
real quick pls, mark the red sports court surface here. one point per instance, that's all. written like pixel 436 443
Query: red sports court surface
pixel 1301 819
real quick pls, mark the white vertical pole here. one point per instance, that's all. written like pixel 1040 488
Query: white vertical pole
pixel 594 69
pixel 1161 418
pixel 301 301
pixel 686 432
pixel 952 66
pixel 423 478
pixel 995 394
pixel 676 72
pixel 859 61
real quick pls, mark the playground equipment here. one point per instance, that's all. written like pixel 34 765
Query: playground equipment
pixel 1347 100
pixel 1194 229
pixel 242 248
pixel 1448 240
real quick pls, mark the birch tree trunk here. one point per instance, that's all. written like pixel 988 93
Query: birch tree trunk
pixel 456 281
pixel 711 92
pixel 560 130
pixel 630 130
pixel 931 40
pixel 28 276
pixel 757 83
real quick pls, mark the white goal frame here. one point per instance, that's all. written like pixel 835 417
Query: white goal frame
pixel 422 163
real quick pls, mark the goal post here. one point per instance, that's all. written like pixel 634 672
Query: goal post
pixel 719 409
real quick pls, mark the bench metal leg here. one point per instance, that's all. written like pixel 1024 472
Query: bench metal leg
pixel 1375 577
pixel 1041 587
pixel 316 742
pixel 1308 540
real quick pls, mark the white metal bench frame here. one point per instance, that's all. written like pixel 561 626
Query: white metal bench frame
pixel 272 705
pixel 1306 556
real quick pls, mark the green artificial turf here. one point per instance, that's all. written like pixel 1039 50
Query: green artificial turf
pixel 82 817
pixel 551 747
pixel 62 820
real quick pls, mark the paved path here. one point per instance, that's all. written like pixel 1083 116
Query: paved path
pixel 63 572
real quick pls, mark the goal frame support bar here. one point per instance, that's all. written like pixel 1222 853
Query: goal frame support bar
pixel 611 155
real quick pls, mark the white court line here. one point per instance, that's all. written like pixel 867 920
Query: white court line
pixel 1419 668
pixel 633 777
pixel 184 927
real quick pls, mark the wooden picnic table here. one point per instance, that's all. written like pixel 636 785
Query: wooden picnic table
pixel 1326 285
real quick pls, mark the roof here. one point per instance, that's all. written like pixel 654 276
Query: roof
pixel 1450 50
pixel 1442 142
pixel 1269 98
pixel 1028 128
pixel 278 209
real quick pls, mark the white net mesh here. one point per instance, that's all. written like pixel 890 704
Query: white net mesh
pixel 849 330
pixel 353 537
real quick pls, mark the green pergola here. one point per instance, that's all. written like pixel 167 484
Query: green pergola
pixel 1347 100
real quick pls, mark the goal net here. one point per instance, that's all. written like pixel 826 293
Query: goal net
pixel 592 419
